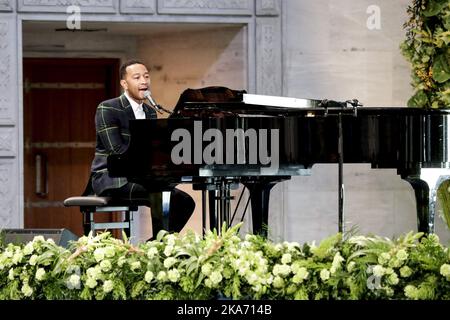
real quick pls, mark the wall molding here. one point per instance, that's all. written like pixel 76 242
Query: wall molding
pixel 206 7
pixel 87 6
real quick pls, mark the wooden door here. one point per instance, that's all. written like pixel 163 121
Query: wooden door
pixel 60 99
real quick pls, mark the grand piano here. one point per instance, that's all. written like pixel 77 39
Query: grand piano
pixel 217 137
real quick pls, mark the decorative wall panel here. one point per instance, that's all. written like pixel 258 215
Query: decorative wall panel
pixel 8 142
pixel 137 6
pixel 268 7
pixel 6 6
pixel 268 56
pixel 8 69
pixel 9 216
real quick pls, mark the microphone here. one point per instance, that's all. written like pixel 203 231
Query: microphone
pixel 152 102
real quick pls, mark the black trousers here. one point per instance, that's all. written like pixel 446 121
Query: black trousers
pixel 181 205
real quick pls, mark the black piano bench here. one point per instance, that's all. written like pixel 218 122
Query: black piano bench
pixel 90 205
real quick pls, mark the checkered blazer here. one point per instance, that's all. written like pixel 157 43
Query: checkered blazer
pixel 112 137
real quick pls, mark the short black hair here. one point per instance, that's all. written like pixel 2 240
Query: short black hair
pixel 126 64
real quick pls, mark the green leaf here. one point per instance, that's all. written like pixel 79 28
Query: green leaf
pixel 444 199
pixel 435 7
pixel 441 68
pixel 419 100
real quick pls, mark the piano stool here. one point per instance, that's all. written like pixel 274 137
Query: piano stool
pixel 90 205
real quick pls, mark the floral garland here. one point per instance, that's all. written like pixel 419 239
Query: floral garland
pixel 427 48
pixel 191 267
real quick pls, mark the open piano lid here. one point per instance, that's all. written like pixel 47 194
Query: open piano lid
pixel 218 99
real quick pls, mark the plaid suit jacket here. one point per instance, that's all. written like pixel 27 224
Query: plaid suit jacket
pixel 112 137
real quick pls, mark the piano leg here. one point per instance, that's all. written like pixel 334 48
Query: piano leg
pixel 425 187
pixel 259 196
pixel 422 193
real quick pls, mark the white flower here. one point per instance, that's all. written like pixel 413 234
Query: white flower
pixel 411 292
pixel 208 283
pixel 395 262
pixel 278 282
pixel 9 253
pixel 149 276
pixel 393 279
pixel 246 244
pixel 162 276
pixel 135 265
pixel 73 282
pixel 389 292
pixel 445 270
pixel 38 239
pixel 249 237
pixel 91 283
pixel 405 271
pixel 108 285
pixel 99 254
pixel 324 274
pixel 171 239
pixel 94 273
pixel 252 278
pixel 351 266
pixel 257 287
pixel 303 273
pixel 50 240
pixel 40 273
pixel 168 250
pixel 215 277
pixel 28 249
pixel 105 265
pixel 378 271
pixel 291 246
pixel 11 274
pixel 26 290
pixel 169 262
pixel 173 275
pixel 384 258
pixel 281 269
pixel 206 269
pixel 152 252
pixel 286 258
pixel 389 271
pixel 121 261
pixel 337 261
pixel 33 260
pixel 110 252
pixel 402 255
pixel 17 257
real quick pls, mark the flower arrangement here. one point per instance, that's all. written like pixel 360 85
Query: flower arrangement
pixel 427 48
pixel 193 267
